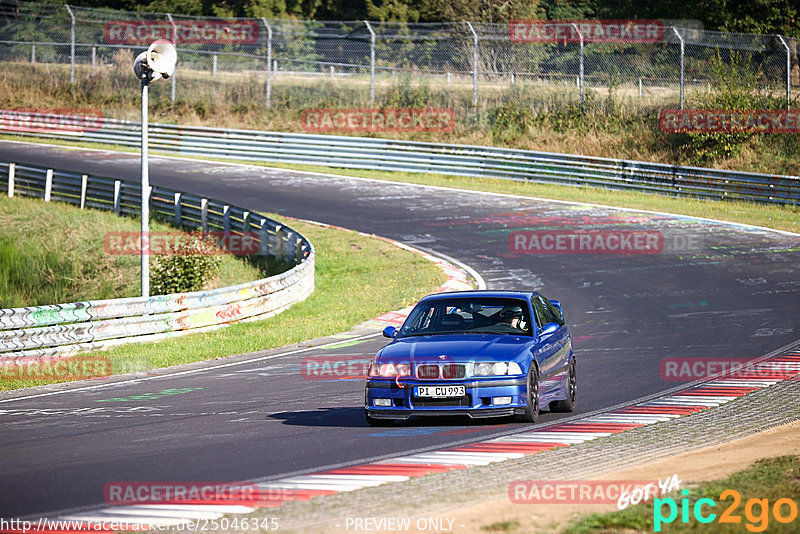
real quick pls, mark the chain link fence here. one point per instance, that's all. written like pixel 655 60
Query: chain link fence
pixel 468 67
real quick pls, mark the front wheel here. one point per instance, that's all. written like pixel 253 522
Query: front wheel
pixel 532 405
pixel 568 404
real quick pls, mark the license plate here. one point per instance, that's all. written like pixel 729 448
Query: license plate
pixel 440 391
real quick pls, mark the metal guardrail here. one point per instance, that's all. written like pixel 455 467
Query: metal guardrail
pixel 411 156
pixel 62 329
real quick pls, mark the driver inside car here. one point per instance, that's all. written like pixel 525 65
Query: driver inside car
pixel 512 315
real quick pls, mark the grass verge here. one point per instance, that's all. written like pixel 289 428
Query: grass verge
pixel 759 488
pixel 41 266
pixel 357 278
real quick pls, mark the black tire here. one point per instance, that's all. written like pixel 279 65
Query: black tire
pixel 568 404
pixel 372 421
pixel 532 406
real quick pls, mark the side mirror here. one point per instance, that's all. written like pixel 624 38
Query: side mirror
pixel 548 329
pixel 391 332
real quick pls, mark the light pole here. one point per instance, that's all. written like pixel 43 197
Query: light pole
pixel 156 63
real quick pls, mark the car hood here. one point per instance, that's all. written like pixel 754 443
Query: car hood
pixel 456 348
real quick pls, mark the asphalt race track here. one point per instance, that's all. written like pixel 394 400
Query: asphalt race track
pixel 711 291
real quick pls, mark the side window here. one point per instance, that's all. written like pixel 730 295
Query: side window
pixel 554 313
pixel 541 313
pixel 550 312
pixel 421 322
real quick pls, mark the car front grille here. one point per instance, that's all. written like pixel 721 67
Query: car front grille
pixel 428 372
pixel 451 371
pixel 446 371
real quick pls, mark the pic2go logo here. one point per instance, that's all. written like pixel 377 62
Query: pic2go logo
pixel 756 511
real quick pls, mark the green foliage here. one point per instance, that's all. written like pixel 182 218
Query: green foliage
pixel 509 123
pixel 480 10
pixel 188 266
pixel 389 10
pixel 758 16
pixel 735 87
pixel 202 108
pixel 408 95
pixel 31 276
pixel 755 16
pixel 183 7
pixel 568 9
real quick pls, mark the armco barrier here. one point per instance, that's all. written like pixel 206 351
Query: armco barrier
pixel 62 329
pixel 391 155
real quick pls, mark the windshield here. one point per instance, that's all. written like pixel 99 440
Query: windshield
pixel 468 315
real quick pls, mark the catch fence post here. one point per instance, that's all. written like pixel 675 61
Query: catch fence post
pixel 371 63
pixel 474 64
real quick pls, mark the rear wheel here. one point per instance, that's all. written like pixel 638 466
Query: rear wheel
pixel 568 404
pixel 532 406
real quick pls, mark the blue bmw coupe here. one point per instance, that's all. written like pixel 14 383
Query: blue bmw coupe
pixel 475 353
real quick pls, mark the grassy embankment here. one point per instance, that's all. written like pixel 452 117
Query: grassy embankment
pixel 54 253
pixel 357 278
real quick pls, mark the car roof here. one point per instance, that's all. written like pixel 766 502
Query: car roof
pixel 484 293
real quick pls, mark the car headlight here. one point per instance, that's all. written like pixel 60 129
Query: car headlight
pixel 389 370
pixel 374 369
pixel 483 369
pixel 496 369
pixel 500 368
pixel 514 368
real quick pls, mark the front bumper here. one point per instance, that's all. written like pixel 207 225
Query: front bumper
pixel 477 402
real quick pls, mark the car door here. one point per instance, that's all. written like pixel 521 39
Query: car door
pixel 552 350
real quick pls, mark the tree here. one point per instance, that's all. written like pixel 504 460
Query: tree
pixel 480 10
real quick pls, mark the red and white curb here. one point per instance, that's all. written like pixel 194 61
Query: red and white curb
pixel 274 493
